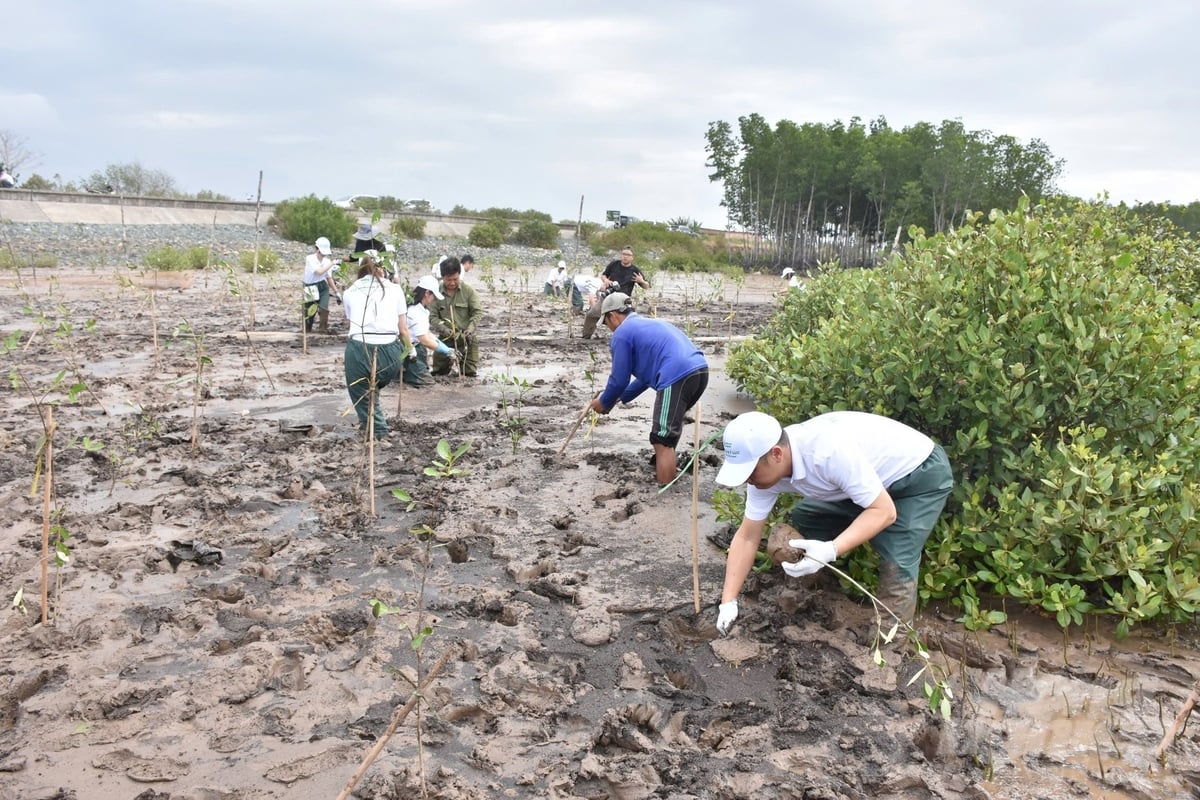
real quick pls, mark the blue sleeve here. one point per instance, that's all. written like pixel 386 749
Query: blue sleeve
pixel 622 370
pixel 635 388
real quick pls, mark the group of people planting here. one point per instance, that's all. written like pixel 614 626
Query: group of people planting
pixel 861 477
pixel 392 337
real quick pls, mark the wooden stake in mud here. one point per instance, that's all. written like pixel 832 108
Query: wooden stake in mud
pixel 696 514
pixel 1180 718
pixel 582 414
pixel 48 477
pixel 416 697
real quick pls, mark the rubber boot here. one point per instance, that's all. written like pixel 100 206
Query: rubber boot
pixel 323 316
pixel 589 325
pixel 897 593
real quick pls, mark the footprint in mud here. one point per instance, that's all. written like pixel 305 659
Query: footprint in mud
pixel 141 769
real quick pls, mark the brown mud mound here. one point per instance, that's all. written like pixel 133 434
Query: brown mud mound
pixel 213 634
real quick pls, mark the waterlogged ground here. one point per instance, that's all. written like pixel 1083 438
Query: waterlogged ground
pixel 212 635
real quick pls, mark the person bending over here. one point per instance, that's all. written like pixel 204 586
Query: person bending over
pixel 652 354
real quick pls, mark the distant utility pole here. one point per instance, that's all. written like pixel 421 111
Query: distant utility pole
pixel 578 231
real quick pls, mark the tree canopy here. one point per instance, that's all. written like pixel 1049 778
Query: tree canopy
pixel 868 181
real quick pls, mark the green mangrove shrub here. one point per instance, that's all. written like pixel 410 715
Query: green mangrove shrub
pixel 1050 350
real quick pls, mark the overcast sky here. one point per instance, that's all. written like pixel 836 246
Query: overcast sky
pixel 533 104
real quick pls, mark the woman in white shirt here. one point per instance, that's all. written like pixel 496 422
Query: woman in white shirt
pixel 416 366
pixel 317 280
pixel 377 341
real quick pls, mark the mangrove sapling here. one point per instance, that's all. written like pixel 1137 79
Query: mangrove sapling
pixel 59 329
pixel 185 330
pixel 234 287
pixel 936 687
pixel 514 420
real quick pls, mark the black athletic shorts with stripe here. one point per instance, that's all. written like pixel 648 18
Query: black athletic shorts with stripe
pixel 672 403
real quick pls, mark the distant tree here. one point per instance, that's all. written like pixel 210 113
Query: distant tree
pixel 133 179
pixel 814 193
pixel 37 183
pixel 537 233
pixel 15 154
pixel 1186 218
pixel 208 194
pixel 305 219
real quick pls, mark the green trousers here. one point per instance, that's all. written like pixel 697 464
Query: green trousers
pixel 919 497
pixel 359 359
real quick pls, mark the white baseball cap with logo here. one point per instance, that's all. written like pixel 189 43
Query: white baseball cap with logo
pixel 747 439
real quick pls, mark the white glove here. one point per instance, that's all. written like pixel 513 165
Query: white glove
pixel 726 614
pixel 816 555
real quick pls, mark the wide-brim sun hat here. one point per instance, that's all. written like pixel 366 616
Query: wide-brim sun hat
pixel 430 283
pixel 747 439
pixel 366 232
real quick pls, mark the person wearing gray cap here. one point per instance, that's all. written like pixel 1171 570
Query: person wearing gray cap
pixel 651 353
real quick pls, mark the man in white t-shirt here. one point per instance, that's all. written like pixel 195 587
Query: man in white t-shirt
pixel 584 290
pixel 556 280
pixel 862 477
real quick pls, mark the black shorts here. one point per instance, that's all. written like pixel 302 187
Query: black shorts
pixel 672 403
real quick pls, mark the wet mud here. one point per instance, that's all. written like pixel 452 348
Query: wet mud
pixel 212 634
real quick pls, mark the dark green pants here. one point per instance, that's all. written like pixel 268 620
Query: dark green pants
pixel 919 497
pixel 360 359
pixel 416 370
pixel 468 356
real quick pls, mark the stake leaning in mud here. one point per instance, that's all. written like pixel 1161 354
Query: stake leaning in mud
pixel 579 421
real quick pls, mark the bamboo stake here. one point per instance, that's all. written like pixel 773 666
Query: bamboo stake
pixel 582 414
pixel 395 723
pixel 696 514
pixel 1180 718
pixel 48 477
pixel 372 390
pixel 254 273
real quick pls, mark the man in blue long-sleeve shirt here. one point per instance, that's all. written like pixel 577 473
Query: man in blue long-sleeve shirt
pixel 652 354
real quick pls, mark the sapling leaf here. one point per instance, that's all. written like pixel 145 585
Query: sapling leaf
pixel 891 634
pixel 877 657
pixel 18 601
pixel 913 679
pixel 382 609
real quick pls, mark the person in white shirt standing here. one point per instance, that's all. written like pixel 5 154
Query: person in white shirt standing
pixel 862 477
pixel 377 342
pixel 317 279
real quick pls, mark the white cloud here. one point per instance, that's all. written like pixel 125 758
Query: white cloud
pixel 532 104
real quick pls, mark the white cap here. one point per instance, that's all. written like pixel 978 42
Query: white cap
pixel 323 246
pixel 746 440
pixel 787 272
pixel 562 265
pixel 429 282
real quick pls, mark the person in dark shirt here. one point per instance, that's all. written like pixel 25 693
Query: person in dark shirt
pixel 621 275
